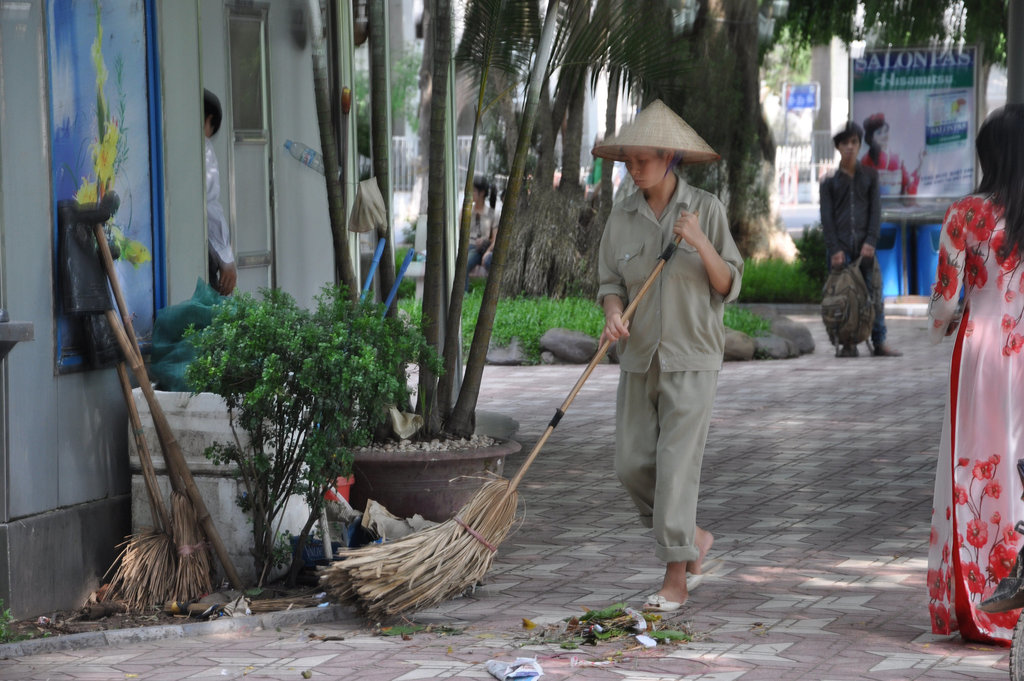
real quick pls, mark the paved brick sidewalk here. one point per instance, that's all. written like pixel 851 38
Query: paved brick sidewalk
pixel 817 486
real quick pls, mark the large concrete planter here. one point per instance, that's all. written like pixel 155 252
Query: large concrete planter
pixel 434 484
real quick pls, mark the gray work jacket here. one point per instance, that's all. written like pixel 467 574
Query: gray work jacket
pixel 681 315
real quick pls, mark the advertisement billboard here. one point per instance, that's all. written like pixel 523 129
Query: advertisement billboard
pixel 918 109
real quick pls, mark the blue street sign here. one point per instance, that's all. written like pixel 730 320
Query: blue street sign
pixel 802 96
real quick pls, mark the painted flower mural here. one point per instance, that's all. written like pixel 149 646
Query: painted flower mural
pixel 103 140
pixel 108 151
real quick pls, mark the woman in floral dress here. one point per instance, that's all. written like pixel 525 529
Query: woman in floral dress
pixel 977 489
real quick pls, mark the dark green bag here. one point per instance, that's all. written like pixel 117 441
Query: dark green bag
pixel 171 353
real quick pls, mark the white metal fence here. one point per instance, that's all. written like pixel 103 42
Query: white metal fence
pixel 405 159
pixel 800 167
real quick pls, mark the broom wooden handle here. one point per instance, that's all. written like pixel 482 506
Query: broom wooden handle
pixel 156 502
pixel 627 314
pixel 172 452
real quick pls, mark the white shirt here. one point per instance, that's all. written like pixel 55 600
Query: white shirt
pixel 218 238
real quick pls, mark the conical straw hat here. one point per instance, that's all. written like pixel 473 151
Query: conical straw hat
pixel 657 126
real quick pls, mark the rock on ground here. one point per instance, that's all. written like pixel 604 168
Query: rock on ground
pixel 570 346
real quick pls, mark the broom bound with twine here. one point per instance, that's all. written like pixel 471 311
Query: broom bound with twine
pixel 155 566
pixel 441 562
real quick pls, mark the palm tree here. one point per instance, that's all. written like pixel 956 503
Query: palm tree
pixel 489 40
pixel 381 134
pixel 500 35
pixel 433 278
pixel 463 415
pixel 343 270
pixel 632 43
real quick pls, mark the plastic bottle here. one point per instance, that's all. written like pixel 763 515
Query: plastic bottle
pixel 305 155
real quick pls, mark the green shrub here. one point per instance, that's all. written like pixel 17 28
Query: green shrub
pixel 746 321
pixel 811 254
pixel 307 387
pixel 6 633
pixel 407 288
pixel 776 281
pixel 528 318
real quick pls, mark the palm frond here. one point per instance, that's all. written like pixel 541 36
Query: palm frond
pixel 498 34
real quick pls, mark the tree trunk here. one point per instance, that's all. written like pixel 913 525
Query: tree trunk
pixel 506 115
pixel 544 144
pixel 734 22
pixel 551 236
pixel 554 249
pixel 343 271
pixel 463 416
pixel 426 95
pixel 433 280
pixel 607 194
pixel 453 322
pixel 380 113
pixel 572 143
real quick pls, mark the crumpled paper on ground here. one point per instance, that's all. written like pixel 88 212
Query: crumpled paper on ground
pixel 237 607
pixel 522 668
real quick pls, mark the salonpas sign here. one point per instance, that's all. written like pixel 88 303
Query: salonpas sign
pixel 913 69
pixel 918 109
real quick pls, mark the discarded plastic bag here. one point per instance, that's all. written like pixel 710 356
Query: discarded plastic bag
pixel 522 668
pixel 386 525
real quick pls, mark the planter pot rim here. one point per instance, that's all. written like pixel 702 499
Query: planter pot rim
pixel 501 448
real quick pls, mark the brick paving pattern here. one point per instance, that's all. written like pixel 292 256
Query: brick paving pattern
pixel 816 484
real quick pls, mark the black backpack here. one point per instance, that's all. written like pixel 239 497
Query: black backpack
pixel 847 310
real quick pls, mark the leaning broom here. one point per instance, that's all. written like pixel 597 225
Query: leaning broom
pixel 441 562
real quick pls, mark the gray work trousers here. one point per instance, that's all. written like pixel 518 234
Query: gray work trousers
pixel 661 428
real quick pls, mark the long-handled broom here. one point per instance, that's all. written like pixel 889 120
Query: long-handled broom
pixel 148 562
pixel 124 331
pixel 442 561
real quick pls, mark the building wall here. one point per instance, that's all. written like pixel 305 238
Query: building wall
pixel 303 251
pixel 65 499
pixel 65 469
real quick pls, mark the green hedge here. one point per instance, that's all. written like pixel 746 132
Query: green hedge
pixel 528 318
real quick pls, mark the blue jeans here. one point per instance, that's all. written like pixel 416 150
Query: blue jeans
pixel 475 258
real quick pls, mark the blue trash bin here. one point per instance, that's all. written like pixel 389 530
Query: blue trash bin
pixel 889 251
pixel 926 246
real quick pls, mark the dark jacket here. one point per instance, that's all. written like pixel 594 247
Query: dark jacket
pixel 850 210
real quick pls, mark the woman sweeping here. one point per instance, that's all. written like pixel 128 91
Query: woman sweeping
pixel 671 352
pixel 977 490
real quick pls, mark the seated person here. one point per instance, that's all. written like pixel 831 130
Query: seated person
pixel 481 226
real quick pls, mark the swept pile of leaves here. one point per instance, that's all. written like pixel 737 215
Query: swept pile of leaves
pixel 617 622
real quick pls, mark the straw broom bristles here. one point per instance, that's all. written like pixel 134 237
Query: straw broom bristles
pixel 429 566
pixel 145 574
pixel 192 577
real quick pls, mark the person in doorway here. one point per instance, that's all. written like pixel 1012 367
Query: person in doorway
pixel 850 223
pixel 977 500
pixel 893 177
pixel 671 351
pixel 222 271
